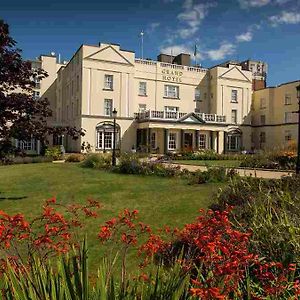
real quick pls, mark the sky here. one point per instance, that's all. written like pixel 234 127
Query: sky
pixel 267 30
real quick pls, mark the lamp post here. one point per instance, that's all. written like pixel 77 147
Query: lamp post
pixel 113 162
pixel 298 157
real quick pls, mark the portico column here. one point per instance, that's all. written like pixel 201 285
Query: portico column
pixel 181 139
pixel 197 139
pixel 149 140
pixel 211 140
pixel 165 141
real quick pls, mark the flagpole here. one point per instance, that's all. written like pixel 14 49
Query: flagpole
pixel 142 44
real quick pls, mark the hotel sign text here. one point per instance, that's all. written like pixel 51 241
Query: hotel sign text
pixel 171 75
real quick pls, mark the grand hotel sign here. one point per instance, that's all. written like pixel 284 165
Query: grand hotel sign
pixel 171 75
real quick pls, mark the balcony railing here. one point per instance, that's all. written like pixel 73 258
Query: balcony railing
pixel 168 115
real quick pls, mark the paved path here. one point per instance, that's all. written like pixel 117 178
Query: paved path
pixel 269 174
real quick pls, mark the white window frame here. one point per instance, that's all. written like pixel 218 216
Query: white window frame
pixel 236 139
pixel 288 117
pixel 29 145
pixel 108 82
pixel 197 94
pixel 287 99
pixel 142 88
pixel 234 96
pixel 171 108
pixel 104 139
pixel 171 91
pixel 108 108
pixel 234 120
pixel 142 107
pixel 263 103
pixel 202 141
pixel 153 140
pixel 172 141
pixel 36 95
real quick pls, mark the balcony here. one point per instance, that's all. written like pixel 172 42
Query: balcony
pixel 173 116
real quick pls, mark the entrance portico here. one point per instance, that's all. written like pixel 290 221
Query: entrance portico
pixel 189 133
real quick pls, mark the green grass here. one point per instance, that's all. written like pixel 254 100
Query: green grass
pixel 211 163
pixel 160 201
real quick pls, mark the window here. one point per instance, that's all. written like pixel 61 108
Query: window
pixel 171 108
pixel 202 141
pixel 108 103
pixel 105 136
pixel 36 95
pixel 234 116
pixel 37 83
pixel 287 136
pixel 153 140
pixel 197 94
pixel 27 145
pixel 172 91
pixel 263 103
pixel 288 117
pixel 205 95
pixel 234 96
pixel 287 99
pixel 172 141
pixel 143 88
pixel 262 137
pixel 142 107
pixel 233 142
pixel 262 119
pixel 108 82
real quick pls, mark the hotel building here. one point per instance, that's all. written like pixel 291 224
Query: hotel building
pixel 162 106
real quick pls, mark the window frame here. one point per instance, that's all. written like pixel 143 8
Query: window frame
pixel 167 91
pixel 143 91
pixel 108 84
pixel 234 98
pixel 262 119
pixel 106 100
pixel 263 103
pixel 202 143
pixel 287 96
pixel 172 141
pixel 197 94
pixel 235 117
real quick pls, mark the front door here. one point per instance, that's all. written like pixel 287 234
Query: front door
pixel 188 141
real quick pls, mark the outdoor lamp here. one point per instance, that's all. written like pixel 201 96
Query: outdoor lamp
pixel 113 160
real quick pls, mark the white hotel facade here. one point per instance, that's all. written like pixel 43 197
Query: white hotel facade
pixel 162 106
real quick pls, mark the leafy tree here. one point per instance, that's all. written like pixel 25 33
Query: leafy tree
pixel 21 116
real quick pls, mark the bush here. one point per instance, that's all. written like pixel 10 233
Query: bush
pixel 212 175
pixel 75 157
pixel 270 210
pixel 97 161
pixel 54 152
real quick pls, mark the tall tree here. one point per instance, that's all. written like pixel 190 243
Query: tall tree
pixel 21 116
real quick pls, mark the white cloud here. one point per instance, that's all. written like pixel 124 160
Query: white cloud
pixel 224 50
pixel 152 27
pixel 253 3
pixel 244 37
pixel 285 18
pixel 192 16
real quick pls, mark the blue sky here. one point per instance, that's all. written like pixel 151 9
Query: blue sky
pixel 267 30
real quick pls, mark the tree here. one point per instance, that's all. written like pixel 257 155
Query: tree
pixel 21 116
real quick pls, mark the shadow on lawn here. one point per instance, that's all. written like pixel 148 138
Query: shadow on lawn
pixel 2 197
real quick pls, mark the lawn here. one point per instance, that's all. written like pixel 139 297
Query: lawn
pixel 211 163
pixel 160 201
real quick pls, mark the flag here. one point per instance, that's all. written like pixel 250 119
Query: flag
pixel 195 50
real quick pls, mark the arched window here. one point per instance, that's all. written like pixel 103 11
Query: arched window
pixel 234 140
pixel 105 136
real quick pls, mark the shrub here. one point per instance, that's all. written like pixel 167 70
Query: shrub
pixel 97 161
pixel 270 210
pixel 75 157
pixel 54 152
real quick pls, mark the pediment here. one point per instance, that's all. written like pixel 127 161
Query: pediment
pixel 234 74
pixel 191 118
pixel 109 54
